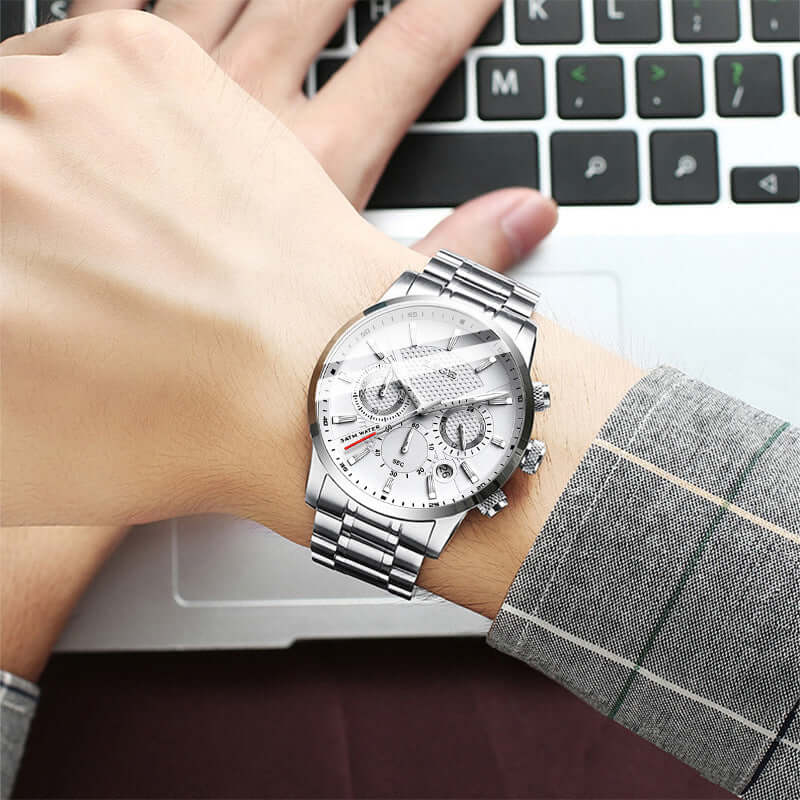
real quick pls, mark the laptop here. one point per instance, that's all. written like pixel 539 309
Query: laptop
pixel 669 132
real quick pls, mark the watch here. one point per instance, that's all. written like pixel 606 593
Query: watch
pixel 421 409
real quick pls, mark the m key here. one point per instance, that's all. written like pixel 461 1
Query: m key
pixel 511 88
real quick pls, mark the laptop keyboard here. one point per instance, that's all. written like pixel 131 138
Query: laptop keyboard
pixel 633 105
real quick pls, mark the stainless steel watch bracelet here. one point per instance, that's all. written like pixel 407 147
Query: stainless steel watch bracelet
pixel 378 549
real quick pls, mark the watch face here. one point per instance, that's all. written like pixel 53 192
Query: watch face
pixel 421 409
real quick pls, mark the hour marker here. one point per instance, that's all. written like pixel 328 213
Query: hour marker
pixel 451 342
pixel 469 472
pixel 501 401
pixel 485 364
pixel 431 488
pixel 356 457
pixel 412 333
pixel 345 378
pixel 343 419
pixel 387 487
pixel 378 354
pixel 498 442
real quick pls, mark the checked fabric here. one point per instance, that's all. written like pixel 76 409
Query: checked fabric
pixel 664 589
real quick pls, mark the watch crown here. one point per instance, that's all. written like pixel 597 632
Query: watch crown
pixel 533 456
pixel 493 504
pixel 541 396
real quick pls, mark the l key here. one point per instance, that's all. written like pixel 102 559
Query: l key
pixel 627 20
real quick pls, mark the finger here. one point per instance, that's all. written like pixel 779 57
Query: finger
pixel 78 8
pixel 369 104
pixel 496 229
pixel 275 32
pixel 46 40
pixel 206 22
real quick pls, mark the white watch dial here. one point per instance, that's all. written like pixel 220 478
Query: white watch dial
pixel 420 406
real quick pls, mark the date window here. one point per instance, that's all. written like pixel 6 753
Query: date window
pixel 444 472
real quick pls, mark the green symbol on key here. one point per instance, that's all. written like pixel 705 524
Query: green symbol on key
pixel 657 73
pixel 737 68
pixel 579 73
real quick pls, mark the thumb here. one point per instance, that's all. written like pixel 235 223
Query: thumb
pixel 497 229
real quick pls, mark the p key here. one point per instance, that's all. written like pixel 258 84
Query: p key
pixel 684 166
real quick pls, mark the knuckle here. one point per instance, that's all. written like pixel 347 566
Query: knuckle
pixel 422 35
pixel 129 34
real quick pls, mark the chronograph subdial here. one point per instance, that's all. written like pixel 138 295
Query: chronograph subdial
pixel 463 431
pixel 407 449
pixel 379 395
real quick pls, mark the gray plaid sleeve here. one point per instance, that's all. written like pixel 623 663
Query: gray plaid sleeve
pixel 18 699
pixel 664 589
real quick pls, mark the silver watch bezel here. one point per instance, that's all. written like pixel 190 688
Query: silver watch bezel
pixel 421 514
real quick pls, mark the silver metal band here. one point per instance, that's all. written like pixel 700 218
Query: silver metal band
pixel 387 552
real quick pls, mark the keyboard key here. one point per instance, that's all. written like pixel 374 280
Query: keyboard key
pixel 684 166
pixel 511 88
pixel 749 86
pixel 776 20
pixel 549 21
pixel 431 170
pixel 12 18
pixel 493 32
pixel 590 88
pixel 797 83
pixel 706 20
pixel 370 12
pixel 449 104
pixel 669 86
pixel 50 10
pixel 765 184
pixel 595 168
pixel 627 20
pixel 337 40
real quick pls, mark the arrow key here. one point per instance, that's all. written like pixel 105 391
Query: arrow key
pixel 669 86
pixel 590 88
pixel 765 184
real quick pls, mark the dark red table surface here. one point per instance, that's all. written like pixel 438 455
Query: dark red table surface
pixel 441 718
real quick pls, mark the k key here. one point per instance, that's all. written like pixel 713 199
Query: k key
pixel 549 21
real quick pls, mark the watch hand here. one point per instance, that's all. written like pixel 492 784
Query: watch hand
pixel 461 437
pixel 382 390
pixel 404 446
pixel 466 400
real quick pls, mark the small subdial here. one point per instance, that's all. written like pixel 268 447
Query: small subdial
pixel 379 395
pixel 406 449
pixel 463 430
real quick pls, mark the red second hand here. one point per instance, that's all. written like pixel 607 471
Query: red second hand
pixel 362 439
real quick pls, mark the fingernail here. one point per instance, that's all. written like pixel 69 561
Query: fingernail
pixel 527 223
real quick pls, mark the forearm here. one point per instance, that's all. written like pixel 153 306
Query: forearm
pixel 43 573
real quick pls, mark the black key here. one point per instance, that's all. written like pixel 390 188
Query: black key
pixel 590 88
pixel 369 13
pixel 327 68
pixel 706 20
pixel 594 168
pixel 776 20
pixel 749 86
pixel 12 18
pixel 50 11
pixel 432 170
pixel 669 86
pixel 684 166
pixel 765 184
pixel 337 40
pixel 627 20
pixel 511 88
pixel 549 21
pixel 493 32
pixel 797 83
pixel 448 104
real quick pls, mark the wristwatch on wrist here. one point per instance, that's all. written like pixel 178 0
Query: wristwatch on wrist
pixel 420 410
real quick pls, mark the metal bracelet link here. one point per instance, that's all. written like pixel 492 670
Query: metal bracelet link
pixel 367 545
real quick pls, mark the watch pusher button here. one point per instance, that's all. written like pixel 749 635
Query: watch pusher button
pixel 493 504
pixel 541 396
pixel 533 456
